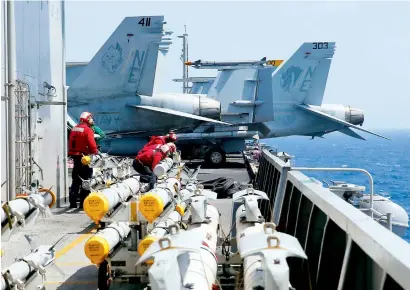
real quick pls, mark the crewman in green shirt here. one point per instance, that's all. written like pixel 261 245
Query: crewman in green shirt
pixel 99 132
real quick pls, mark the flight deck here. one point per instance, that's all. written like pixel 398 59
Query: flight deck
pixel 71 228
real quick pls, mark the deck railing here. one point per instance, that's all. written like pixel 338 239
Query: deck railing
pixel 346 248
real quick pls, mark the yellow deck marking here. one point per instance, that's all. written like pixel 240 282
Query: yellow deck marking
pixel 74 243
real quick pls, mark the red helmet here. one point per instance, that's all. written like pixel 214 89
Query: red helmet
pixel 171 136
pixel 86 117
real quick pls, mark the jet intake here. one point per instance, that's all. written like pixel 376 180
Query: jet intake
pixel 209 108
pixel 354 116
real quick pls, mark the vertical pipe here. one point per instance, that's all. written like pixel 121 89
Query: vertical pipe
pixel 64 163
pixel 6 94
pixel 11 73
pixel 183 62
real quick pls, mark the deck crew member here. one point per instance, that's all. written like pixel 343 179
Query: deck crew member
pixel 81 143
pixel 98 134
pixel 147 159
pixel 171 137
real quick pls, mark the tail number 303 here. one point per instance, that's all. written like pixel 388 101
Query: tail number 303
pixel 320 45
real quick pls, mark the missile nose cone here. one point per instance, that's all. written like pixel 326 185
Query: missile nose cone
pixel 96 206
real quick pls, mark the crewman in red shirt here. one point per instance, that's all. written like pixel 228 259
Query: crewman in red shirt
pixel 81 143
pixel 147 159
pixel 171 137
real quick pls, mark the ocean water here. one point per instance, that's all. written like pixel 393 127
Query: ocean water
pixel 387 161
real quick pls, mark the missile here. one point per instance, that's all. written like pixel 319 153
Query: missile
pixel 98 247
pixel 163 167
pixel 106 169
pixel 152 203
pixel 201 271
pixel 15 276
pixel 265 264
pixel 174 217
pixel 199 64
pixel 99 203
pixel 97 179
pixel 186 259
pixel 26 208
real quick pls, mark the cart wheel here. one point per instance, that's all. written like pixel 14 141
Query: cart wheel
pixel 104 276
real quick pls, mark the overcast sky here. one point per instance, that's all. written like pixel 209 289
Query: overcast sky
pixel 370 69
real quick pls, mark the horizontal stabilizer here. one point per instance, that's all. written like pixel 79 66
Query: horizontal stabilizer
pixel 336 120
pixel 180 114
pixel 351 133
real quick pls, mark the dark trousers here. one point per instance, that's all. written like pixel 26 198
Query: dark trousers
pixel 80 171
pixel 146 173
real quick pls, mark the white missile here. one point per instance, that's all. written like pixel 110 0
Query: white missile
pixel 26 208
pixel 264 263
pixel 163 167
pixel 186 259
pixel 201 271
pixel 98 247
pixel 152 203
pixel 17 274
pixel 174 217
pixel 98 204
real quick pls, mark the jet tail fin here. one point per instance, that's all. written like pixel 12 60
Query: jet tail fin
pixel 126 63
pixel 345 125
pixel 302 79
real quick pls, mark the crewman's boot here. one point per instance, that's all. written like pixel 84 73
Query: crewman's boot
pixel 73 200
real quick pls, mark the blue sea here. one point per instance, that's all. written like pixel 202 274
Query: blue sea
pixel 387 161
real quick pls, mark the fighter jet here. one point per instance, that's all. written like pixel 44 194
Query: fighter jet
pixel 274 99
pixel 116 86
pixel 283 99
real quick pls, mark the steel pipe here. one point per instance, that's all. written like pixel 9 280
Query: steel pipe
pixel 344 169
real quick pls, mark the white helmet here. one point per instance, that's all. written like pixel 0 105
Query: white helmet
pixel 86 117
pixel 164 148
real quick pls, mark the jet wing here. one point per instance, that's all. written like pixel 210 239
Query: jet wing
pixel 180 114
pixel 341 122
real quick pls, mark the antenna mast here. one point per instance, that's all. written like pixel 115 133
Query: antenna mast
pixel 184 59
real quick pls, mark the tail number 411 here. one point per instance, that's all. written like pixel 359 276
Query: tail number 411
pixel 145 21
pixel 320 45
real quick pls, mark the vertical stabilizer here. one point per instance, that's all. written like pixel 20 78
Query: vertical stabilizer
pixel 125 64
pixel 302 79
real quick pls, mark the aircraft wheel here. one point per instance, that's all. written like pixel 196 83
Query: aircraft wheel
pixel 104 276
pixel 216 156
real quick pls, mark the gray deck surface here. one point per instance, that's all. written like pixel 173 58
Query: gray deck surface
pixel 73 269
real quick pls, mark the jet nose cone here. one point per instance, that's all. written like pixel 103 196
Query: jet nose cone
pixel 356 116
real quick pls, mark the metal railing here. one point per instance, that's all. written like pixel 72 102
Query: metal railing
pixel 346 248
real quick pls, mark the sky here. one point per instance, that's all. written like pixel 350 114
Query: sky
pixel 369 71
